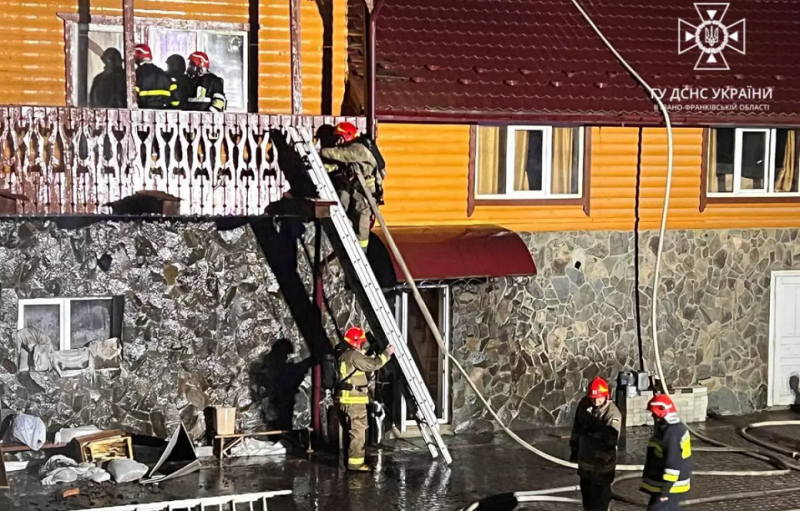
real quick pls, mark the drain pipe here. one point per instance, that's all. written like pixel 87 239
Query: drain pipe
pixel 370 29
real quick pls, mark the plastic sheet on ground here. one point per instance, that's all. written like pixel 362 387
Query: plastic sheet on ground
pixel 27 430
pixel 253 447
pixel 126 471
pixel 60 469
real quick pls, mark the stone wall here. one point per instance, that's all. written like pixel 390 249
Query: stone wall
pixel 532 344
pixel 202 313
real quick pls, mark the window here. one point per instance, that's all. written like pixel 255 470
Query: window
pixel 752 162
pixel 225 44
pixel 71 323
pixel 529 162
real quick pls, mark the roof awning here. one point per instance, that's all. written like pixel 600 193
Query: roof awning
pixel 447 253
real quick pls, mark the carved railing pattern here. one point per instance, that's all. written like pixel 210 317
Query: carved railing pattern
pixel 70 161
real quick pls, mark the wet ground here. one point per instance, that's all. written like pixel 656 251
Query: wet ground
pixel 407 480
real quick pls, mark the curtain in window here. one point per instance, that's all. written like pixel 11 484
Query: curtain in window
pixel 490 160
pixel 713 185
pixel 563 179
pixel 521 146
pixel 788 170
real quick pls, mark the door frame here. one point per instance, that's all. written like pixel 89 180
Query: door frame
pixel 401 315
pixel 773 292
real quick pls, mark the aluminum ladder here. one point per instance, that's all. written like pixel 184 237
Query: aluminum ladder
pixel 369 294
pixel 243 502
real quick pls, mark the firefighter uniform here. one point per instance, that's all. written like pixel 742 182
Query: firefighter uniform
pixel 668 467
pixel 353 397
pixel 342 164
pixel 595 433
pixel 154 89
pixel 206 94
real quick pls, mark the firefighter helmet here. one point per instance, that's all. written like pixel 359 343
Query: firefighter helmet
pixel 200 60
pixel 355 336
pixel 347 130
pixel 142 52
pixel 662 406
pixel 598 388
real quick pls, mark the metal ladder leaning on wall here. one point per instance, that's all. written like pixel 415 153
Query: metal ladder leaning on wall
pixel 369 294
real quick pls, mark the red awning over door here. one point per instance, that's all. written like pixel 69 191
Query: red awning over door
pixel 447 253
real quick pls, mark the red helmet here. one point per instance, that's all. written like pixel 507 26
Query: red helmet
pixel 347 130
pixel 598 388
pixel 142 52
pixel 355 336
pixel 662 406
pixel 200 60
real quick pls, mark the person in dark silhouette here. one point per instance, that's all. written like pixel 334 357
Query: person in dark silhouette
pixel 109 88
pixel 176 69
pixel 277 379
pixel 794 385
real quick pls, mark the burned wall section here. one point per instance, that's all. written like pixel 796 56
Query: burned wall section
pixel 533 344
pixel 202 314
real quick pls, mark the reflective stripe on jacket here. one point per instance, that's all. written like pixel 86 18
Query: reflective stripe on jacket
pixel 154 89
pixel 359 364
pixel 668 468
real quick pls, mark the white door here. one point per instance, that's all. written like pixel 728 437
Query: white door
pixel 784 360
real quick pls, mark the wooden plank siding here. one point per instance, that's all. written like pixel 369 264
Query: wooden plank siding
pixel 32 47
pixel 428 170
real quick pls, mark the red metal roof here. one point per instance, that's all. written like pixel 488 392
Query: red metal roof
pixel 446 253
pixel 540 60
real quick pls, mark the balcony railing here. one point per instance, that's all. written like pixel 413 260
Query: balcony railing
pixel 69 161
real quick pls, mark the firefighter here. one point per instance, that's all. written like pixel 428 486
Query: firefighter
pixel 348 153
pixel 109 87
pixel 206 90
pixel 154 89
pixel 594 445
pixel 353 391
pixel 668 467
pixel 176 69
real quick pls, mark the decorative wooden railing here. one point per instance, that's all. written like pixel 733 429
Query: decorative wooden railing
pixel 69 161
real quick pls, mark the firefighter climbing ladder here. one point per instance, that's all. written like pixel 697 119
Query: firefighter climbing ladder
pixel 381 320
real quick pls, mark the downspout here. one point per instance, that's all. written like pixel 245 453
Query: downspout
pixel 370 26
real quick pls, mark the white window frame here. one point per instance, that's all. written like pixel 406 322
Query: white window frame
pixel 547 166
pixel 769 175
pixel 142 33
pixel 64 342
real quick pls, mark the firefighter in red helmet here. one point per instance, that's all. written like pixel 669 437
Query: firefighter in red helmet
pixel 206 90
pixel 343 153
pixel 353 391
pixel 668 466
pixel 154 89
pixel 593 443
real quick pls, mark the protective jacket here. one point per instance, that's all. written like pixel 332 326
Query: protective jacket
pixel 109 87
pixel 353 369
pixel 154 89
pixel 206 94
pixel 595 433
pixel 668 467
pixel 342 160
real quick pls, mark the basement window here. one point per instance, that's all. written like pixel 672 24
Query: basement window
pixel 529 162
pixel 752 162
pixel 72 323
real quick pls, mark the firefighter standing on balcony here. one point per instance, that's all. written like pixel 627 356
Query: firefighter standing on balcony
pixel 154 89
pixel 206 90
pixel 353 391
pixel 351 152
pixel 593 443
pixel 668 467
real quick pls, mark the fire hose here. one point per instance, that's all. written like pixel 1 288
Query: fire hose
pixel 782 467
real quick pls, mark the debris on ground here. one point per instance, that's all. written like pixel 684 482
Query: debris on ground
pixel 106 445
pixel 253 447
pixel 61 469
pixel 178 459
pixel 127 471
pixel 71 492
pixel 67 435
pixel 26 430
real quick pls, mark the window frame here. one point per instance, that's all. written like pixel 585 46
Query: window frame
pixel 142 26
pixel 65 341
pixel 738 194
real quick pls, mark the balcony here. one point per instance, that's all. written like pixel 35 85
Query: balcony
pixel 73 161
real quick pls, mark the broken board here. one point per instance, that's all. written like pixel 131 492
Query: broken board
pixel 178 459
